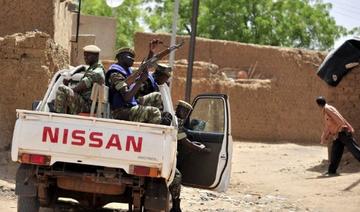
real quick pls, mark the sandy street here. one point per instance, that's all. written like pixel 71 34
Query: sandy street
pixel 268 177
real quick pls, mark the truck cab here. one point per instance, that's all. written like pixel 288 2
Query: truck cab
pixel 97 160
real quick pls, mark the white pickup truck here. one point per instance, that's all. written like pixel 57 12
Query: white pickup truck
pixel 97 161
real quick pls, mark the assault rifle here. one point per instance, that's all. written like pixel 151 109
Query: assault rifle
pixel 150 62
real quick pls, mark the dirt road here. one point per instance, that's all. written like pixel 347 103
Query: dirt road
pixel 269 177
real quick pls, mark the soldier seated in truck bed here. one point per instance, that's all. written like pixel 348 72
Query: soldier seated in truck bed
pixel 76 100
pixel 122 93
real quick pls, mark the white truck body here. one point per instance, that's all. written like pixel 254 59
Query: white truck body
pixel 86 157
pixel 95 141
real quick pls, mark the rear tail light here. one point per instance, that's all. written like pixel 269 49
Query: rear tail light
pixel 144 171
pixel 34 159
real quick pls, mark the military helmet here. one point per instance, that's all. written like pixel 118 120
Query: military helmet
pixel 183 109
pixel 163 69
pixel 124 50
pixel 92 49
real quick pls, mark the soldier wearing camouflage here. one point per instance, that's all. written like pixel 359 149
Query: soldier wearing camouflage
pixel 160 76
pixel 183 110
pixel 123 104
pixel 76 100
pixel 175 189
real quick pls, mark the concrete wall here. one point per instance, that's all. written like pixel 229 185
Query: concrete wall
pixel 50 16
pixel 104 29
pixel 282 108
pixel 27 61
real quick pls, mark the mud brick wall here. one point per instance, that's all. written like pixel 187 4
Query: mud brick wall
pixel 27 61
pixel 50 16
pixel 278 107
pixel 26 15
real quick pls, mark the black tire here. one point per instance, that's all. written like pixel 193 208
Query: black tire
pixel 28 204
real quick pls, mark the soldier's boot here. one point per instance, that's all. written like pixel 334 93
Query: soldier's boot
pixel 175 205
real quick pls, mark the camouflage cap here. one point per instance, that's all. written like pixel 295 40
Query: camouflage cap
pixel 185 104
pixel 125 49
pixel 92 49
pixel 163 69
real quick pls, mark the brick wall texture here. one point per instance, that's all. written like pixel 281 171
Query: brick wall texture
pixel 27 61
pixel 281 108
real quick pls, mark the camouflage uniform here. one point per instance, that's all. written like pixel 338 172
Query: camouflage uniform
pixel 175 189
pixel 145 89
pixel 148 109
pixel 67 100
pixel 175 186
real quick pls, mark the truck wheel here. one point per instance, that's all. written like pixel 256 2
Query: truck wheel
pixel 28 204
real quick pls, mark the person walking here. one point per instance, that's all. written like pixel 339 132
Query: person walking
pixel 338 131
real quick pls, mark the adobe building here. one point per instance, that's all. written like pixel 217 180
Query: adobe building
pixel 28 62
pixel 59 19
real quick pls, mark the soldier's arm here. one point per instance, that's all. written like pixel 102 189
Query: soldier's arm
pixel 80 87
pixel 96 76
pixel 118 82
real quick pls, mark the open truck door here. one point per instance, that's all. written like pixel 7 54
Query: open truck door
pixel 208 124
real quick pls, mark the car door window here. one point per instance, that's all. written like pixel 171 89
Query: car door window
pixel 208 116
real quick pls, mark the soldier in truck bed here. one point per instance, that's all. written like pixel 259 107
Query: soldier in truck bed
pixel 77 100
pixel 160 76
pixel 122 95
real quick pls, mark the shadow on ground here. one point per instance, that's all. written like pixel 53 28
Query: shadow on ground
pixel 348 164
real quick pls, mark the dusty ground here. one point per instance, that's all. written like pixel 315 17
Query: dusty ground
pixel 268 177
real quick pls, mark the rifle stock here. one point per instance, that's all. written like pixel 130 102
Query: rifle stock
pixel 150 62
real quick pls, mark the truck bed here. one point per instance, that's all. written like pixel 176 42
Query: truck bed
pixel 95 141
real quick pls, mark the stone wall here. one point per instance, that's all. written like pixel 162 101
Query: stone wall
pixel 282 108
pixel 27 61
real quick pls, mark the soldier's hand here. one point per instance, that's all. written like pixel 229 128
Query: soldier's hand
pixel 153 44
